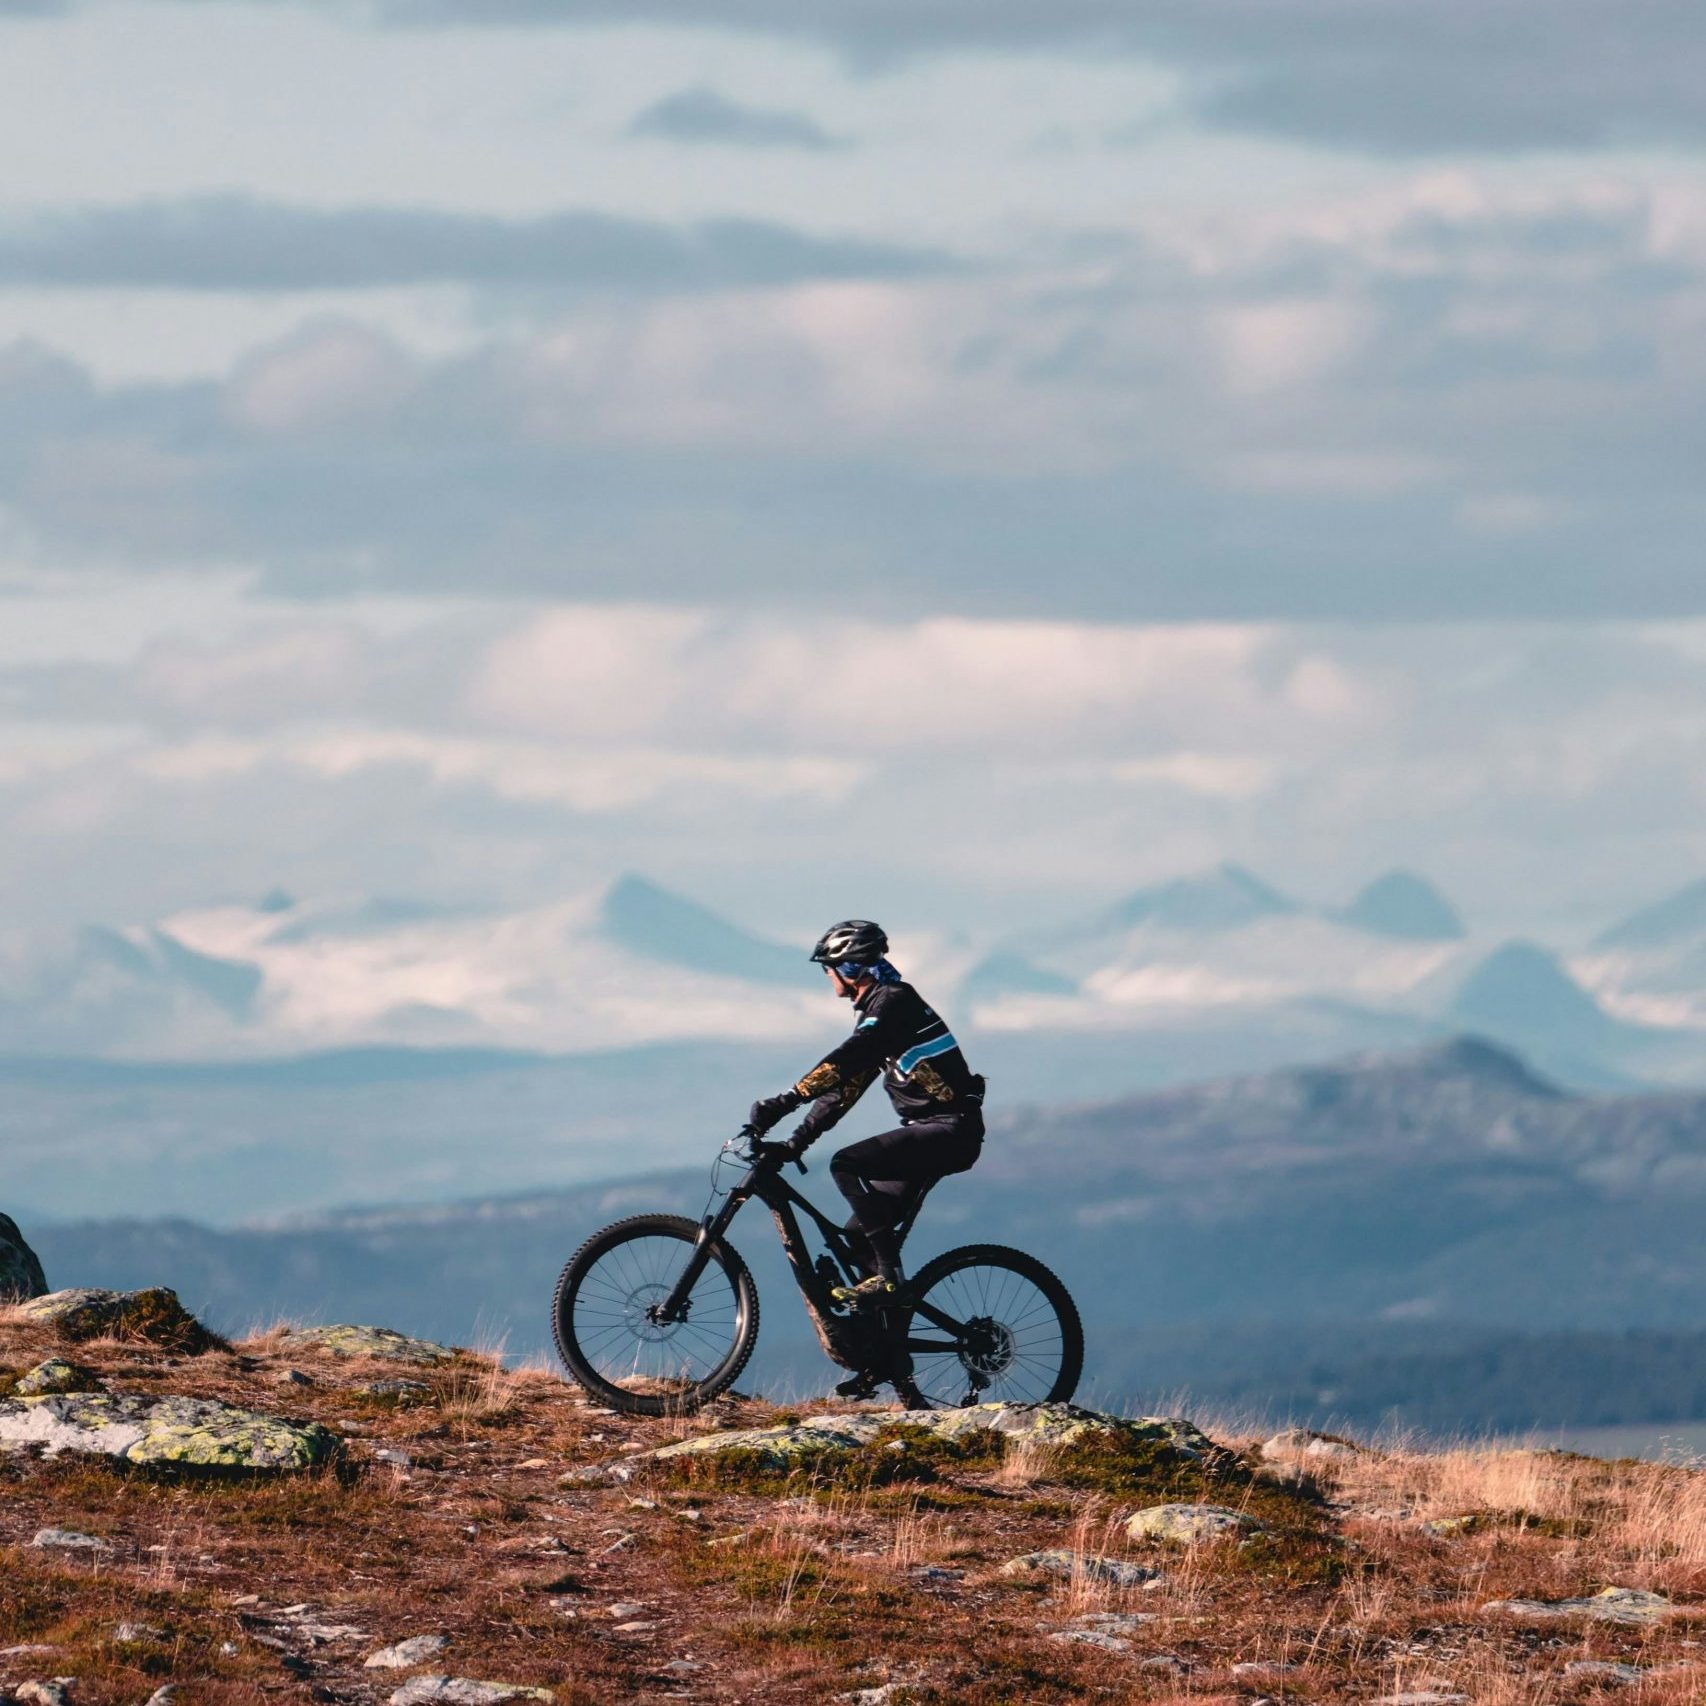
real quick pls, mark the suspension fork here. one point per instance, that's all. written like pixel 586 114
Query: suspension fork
pixel 711 1228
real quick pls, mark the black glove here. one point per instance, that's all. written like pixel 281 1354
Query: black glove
pixel 767 1112
pixel 794 1147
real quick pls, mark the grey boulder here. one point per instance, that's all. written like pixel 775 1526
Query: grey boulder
pixel 21 1273
pixel 1188 1525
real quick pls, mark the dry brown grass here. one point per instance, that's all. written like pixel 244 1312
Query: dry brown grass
pixel 831 1589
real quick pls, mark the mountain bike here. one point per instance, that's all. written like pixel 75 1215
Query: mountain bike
pixel 657 1314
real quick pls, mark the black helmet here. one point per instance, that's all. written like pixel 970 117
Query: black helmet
pixel 856 939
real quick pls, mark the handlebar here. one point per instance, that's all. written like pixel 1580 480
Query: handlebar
pixel 756 1149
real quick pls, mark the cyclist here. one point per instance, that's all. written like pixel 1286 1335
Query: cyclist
pixel 938 1097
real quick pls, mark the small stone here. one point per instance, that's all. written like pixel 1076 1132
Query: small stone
pixel 69 1540
pixel 1117 1622
pixel 1098 1638
pixel 397 1459
pixel 1305 1442
pixel 138 1632
pixel 1188 1525
pixel 1094 1566
pixel 26 1650
pixel 1421 1697
pixel 417 1649
pixel 1163 1662
pixel 165 1695
pixel 1449 1527
pixel 292 1377
pixel 619 1544
pixel 884 1695
pixel 53 1691
pixel 1609 1605
pixel 636 1628
pixel 1603 1670
pixel 682 1667
pixel 56 1375
pixel 1262 1667
pixel 627 1608
pixel 462 1691
pixel 403 1391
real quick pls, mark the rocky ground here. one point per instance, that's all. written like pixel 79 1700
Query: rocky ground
pixel 349 1515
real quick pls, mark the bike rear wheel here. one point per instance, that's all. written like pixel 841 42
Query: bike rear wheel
pixel 623 1357
pixel 987 1323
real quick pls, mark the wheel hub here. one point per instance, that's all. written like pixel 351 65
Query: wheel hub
pixel 987 1349
pixel 640 1311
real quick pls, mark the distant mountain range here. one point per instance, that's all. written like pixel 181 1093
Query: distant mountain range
pixel 1355 1235
pixel 188 1064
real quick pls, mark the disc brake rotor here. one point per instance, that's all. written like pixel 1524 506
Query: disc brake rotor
pixel 986 1351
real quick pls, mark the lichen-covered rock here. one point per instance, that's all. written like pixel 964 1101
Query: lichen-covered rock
pixel 1452 1527
pixel 48 1691
pixel 1187 1525
pixel 1609 1605
pixel 1293 1443
pixel 1091 1566
pixel 1040 1424
pixel 154 1315
pixel 1099 1638
pixel 462 1691
pixel 21 1274
pixel 416 1650
pixel 56 1375
pixel 401 1392
pixel 190 1434
pixel 343 1339
pixel 69 1540
pixel 1603 1670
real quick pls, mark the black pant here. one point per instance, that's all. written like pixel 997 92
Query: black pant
pixel 882 1177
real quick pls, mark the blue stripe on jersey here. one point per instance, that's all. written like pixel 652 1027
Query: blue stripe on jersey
pixel 936 1045
pixel 864 1024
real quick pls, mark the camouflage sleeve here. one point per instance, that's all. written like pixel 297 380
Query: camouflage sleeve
pixel 829 1107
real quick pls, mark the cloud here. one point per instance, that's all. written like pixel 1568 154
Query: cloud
pixel 1446 398
pixel 1529 768
pixel 246 243
pixel 1415 77
pixel 701 114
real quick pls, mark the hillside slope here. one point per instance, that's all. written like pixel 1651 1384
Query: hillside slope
pixel 484 1536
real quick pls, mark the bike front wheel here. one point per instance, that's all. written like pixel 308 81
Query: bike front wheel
pixel 606 1335
pixel 990 1324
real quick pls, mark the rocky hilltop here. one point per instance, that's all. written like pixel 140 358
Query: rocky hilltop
pixel 349 1514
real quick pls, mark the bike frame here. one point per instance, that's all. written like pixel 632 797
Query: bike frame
pixel 764 1181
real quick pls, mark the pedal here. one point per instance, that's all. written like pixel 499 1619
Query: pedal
pixel 857 1386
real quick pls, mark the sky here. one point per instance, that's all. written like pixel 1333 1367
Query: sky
pixel 951 462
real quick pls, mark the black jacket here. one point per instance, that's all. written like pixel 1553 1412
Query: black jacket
pixel 901 1036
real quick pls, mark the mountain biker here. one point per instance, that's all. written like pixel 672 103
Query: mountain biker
pixel 938 1097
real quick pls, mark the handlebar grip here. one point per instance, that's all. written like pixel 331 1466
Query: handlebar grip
pixel 799 1163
